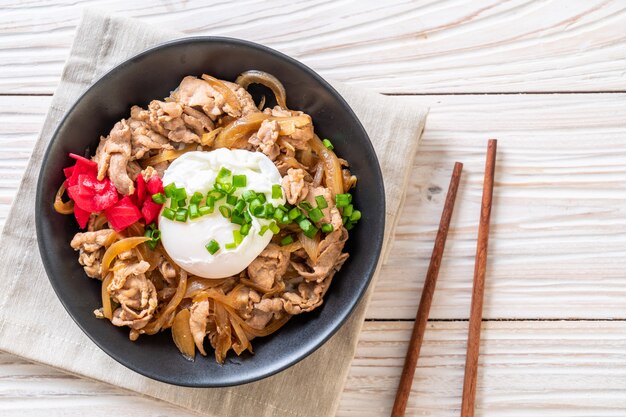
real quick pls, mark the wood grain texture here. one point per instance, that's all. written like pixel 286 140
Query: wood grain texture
pixel 420 46
pixel 557 369
pixel 558 233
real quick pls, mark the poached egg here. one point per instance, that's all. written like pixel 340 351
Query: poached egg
pixel 185 241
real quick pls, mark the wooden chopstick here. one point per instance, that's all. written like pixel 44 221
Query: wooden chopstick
pixel 476 311
pixel 421 319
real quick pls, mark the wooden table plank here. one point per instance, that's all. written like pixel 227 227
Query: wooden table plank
pixel 557 248
pixel 556 369
pixel 401 47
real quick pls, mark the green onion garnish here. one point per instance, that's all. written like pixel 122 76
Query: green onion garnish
pixel 277 191
pixel 237 237
pixel 347 211
pixel 181 215
pixel 246 216
pixel 311 232
pixel 196 198
pixel 321 202
pixel 327 228
pixel 305 224
pixel 215 195
pixel 274 228
pixel 294 213
pixel 237 219
pixel 194 212
pixel 355 216
pixel 261 197
pixel 168 213
pixel 349 226
pixel 305 205
pixel 210 202
pixel 264 229
pixel 328 144
pixel 159 198
pixel 239 181
pixel 225 211
pixel 231 245
pixel 279 213
pixel 245 229
pixel 212 246
pixel 169 190
pixel 231 199
pixel 316 215
pixel 182 202
pixel 180 194
pixel 248 195
pixel 269 210
pixel 254 204
pixel 343 200
pixel 286 240
pixel 240 206
pixel 174 204
pixel 204 210
pixel 222 174
pixel 286 220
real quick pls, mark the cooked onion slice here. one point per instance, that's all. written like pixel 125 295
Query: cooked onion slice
pixel 118 247
pixel 229 95
pixel 168 155
pixel 266 79
pixel 181 333
pixel 107 310
pixel 59 205
pixel 333 176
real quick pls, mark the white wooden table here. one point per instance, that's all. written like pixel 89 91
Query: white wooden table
pixel 548 78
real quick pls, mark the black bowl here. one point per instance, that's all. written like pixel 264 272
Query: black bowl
pixel 151 75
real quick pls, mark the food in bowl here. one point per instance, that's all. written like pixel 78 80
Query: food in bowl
pixel 210 215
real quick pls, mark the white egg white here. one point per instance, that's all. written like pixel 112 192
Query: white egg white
pixel 185 241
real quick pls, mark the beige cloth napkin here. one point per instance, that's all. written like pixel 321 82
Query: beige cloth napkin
pixel 33 324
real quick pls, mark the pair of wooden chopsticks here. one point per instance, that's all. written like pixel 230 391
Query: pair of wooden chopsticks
pixel 476 311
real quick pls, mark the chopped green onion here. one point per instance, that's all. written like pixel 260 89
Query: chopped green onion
pixel 294 213
pixel 210 202
pixel 231 199
pixel 259 211
pixel 246 216
pixel 231 245
pixel 269 210
pixel 180 194
pixel 240 206
pixel 254 204
pixel 311 232
pixel 168 213
pixel 328 144
pixel 225 211
pixel 182 202
pixel 159 198
pixel 264 229
pixel 321 202
pixel 349 226
pixel 194 213
pixel 226 188
pixel 237 219
pixel 239 180
pixel 237 237
pixel 223 173
pixel 305 205
pixel 316 215
pixel 148 233
pixel 156 234
pixel 327 228
pixel 345 219
pixel 196 198
pixel 174 204
pixel 343 200
pixel 277 191
pixel 212 246
pixel 261 197
pixel 215 195
pixel 204 210
pixel 245 229
pixel 170 190
pixel 355 216
pixel 286 240
pixel 305 224
pixel 274 228
pixel 181 215
pixel 249 195
pixel 279 213
pixel 347 211
pixel 286 220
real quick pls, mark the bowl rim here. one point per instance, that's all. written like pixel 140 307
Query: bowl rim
pixel 376 236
